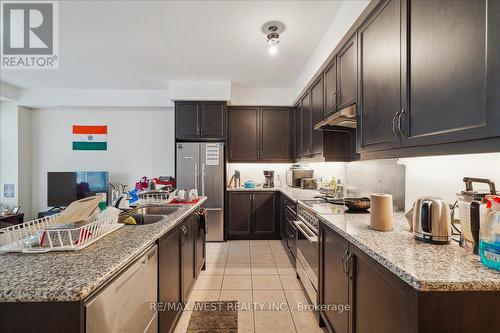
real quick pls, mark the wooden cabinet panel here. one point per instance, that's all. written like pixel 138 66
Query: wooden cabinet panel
pixel 334 282
pixel 264 209
pixel 276 136
pixel 298 130
pixel 317 116
pixel 200 232
pixel 330 88
pixel 347 74
pixel 213 120
pixel 454 57
pixel 243 134
pixel 379 78
pixel 307 126
pixel 240 214
pixel 169 278
pixel 187 120
pixel 188 263
pixel 382 302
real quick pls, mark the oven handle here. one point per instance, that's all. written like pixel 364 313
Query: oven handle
pixel 302 227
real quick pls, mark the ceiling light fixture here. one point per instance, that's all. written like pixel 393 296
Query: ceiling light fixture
pixel 272 31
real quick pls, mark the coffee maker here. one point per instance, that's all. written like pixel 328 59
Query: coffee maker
pixel 268 179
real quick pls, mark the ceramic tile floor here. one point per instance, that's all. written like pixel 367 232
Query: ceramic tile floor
pixel 259 275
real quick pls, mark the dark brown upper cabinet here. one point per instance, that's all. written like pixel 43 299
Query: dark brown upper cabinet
pixel 297 111
pixel 330 87
pixel 317 116
pixel 379 96
pixel 200 120
pixel 452 73
pixel 347 65
pixel 307 125
pixel 260 134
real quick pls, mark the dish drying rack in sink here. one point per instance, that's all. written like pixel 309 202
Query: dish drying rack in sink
pixel 156 197
pixel 42 235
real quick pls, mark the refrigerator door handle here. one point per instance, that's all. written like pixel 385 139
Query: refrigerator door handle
pixel 203 179
pixel 196 176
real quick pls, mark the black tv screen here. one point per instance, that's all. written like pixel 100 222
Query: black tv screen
pixel 66 187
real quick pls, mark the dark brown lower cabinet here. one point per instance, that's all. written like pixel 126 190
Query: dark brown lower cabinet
pixel 253 215
pixel 169 278
pixel 200 250
pixel 383 303
pixel 188 256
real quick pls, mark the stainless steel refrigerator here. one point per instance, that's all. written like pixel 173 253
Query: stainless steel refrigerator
pixel 200 165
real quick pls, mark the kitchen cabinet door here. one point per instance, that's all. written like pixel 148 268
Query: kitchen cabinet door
pixel 379 42
pixel 347 63
pixel 307 126
pixel 265 217
pixel 330 84
pixel 200 232
pixel 188 257
pixel 169 278
pixel 317 116
pixel 243 134
pixel 239 219
pixel 334 284
pixel 187 120
pixel 298 130
pixel 453 72
pixel 276 134
pixel 213 120
pixel 382 301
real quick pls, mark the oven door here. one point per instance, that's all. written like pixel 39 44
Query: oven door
pixel 307 258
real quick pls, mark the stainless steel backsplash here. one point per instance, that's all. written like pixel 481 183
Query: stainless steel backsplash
pixel 362 179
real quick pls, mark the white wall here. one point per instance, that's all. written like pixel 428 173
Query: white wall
pixel 24 160
pixel 442 176
pixel 8 150
pixel 140 143
pixel 346 16
pixel 242 95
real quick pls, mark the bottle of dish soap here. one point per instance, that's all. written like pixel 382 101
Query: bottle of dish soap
pixel 489 234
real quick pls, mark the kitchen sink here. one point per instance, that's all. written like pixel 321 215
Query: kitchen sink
pixel 155 210
pixel 141 218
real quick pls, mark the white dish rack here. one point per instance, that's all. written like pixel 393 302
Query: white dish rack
pixel 40 236
pixel 156 197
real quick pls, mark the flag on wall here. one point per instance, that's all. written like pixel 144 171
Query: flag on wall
pixel 90 137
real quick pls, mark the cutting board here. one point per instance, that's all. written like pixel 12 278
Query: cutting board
pixel 80 210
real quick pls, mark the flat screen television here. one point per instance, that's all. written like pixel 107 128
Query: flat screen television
pixel 66 187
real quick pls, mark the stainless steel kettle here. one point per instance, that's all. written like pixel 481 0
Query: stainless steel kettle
pixel 432 220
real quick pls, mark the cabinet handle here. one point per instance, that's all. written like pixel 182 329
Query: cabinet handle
pixel 400 130
pixel 348 264
pixel 342 262
pixel 394 130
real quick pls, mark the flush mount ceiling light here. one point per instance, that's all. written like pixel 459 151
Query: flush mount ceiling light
pixel 272 30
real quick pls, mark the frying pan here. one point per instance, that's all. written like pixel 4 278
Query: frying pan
pixel 357 204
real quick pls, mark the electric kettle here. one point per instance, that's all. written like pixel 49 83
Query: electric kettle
pixel 432 220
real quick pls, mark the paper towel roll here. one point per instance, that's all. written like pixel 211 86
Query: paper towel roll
pixel 381 212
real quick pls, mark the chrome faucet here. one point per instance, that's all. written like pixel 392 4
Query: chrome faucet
pixel 118 195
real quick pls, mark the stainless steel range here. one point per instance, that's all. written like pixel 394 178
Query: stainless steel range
pixel 307 262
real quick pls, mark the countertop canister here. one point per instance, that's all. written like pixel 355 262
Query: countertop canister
pixel 381 212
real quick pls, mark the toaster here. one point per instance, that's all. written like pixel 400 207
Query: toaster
pixel 432 220
pixel 294 176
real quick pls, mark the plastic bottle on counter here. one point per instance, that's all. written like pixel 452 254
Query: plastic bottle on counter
pixel 489 234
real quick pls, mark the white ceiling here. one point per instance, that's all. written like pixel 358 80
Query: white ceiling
pixel 146 44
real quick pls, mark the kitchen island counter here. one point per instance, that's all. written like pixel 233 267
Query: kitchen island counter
pixel 73 276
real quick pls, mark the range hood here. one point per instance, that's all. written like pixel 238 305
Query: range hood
pixel 343 118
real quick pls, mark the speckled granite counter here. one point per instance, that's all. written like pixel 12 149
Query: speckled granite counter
pixel 291 192
pixel 424 266
pixel 72 276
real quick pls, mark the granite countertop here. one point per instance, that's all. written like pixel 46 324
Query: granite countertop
pixel 72 276
pixel 424 266
pixel 293 193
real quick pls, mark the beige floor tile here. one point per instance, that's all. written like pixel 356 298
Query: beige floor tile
pixel 273 322
pixel 238 258
pixel 183 322
pixel 244 298
pixel 245 322
pixel 208 282
pixel 281 258
pixel 239 250
pixel 296 298
pixel 259 242
pixel 260 249
pixel 269 300
pixel 280 251
pixel 201 296
pixel 265 258
pixel 212 269
pixel 238 269
pixel 305 322
pixel 287 271
pixel 290 282
pixel 237 282
pixel 216 258
pixel 266 282
pixel 264 269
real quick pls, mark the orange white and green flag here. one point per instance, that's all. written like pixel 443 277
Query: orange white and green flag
pixel 90 137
